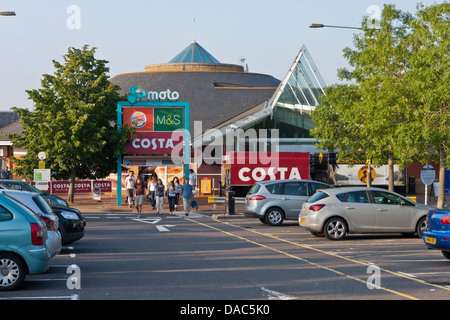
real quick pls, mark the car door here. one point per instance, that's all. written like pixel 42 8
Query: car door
pixel 392 215
pixel 294 194
pixel 359 212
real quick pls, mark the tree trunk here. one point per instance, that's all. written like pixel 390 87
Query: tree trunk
pixel 71 193
pixel 441 197
pixel 391 172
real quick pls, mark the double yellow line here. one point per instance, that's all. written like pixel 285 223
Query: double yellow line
pixel 319 265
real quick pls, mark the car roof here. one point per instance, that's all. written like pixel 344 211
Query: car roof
pixel 349 189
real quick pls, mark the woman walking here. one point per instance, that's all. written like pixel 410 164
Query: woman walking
pixel 159 194
pixel 151 191
pixel 171 196
pixel 176 182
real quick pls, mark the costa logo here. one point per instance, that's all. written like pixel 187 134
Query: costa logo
pixel 138 119
pixel 261 174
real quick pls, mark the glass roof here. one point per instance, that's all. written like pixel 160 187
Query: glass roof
pixel 194 53
pixel 301 87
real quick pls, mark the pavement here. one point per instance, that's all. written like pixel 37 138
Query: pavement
pixel 108 204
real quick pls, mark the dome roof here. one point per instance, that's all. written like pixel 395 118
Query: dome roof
pixel 194 53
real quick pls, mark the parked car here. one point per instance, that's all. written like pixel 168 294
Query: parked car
pixel 36 203
pixel 276 200
pixel 22 243
pixel 71 223
pixel 336 212
pixel 437 233
pixel 20 185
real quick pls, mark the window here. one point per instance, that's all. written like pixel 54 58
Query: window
pixel 276 188
pixel 354 197
pixel 380 197
pixel 5 215
pixel 317 196
pixel 316 186
pixel 254 189
pixel 296 188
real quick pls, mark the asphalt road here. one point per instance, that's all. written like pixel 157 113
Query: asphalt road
pixel 202 259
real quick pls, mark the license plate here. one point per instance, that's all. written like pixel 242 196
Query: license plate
pixel 246 200
pixel 430 240
pixel 302 221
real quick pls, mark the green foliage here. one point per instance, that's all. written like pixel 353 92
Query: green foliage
pixel 73 121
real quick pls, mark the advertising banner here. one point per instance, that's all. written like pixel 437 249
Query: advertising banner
pixel 155 143
pixel 83 186
pixel 247 168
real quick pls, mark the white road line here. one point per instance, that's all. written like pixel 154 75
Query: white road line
pixel 164 228
pixel 272 295
pixel 72 297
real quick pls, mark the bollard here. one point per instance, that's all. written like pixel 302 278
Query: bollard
pixel 230 203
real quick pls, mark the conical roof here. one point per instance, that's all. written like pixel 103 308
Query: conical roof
pixel 194 53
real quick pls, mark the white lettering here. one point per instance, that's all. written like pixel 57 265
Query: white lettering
pixel 241 174
pixel 261 173
pixel 163 95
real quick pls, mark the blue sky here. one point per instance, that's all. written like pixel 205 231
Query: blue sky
pixel 132 34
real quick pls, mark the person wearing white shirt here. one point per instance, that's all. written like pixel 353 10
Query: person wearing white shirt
pixel 130 182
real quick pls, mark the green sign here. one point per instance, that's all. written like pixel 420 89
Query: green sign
pixel 167 119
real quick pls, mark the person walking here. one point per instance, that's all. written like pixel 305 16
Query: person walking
pixel 186 192
pixel 192 178
pixel 151 191
pixel 176 182
pixel 159 194
pixel 139 195
pixel 130 182
pixel 171 197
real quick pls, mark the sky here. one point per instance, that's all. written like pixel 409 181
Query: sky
pixel 135 33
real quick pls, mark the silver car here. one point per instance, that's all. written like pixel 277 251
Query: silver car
pixel 276 200
pixel 339 211
pixel 36 203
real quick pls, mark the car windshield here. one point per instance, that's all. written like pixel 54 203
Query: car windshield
pixel 42 204
pixel 23 207
pixel 319 195
pixel 254 189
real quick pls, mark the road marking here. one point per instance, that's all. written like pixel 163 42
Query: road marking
pixel 72 297
pixel 164 227
pixel 272 295
pixel 150 221
pixel 319 265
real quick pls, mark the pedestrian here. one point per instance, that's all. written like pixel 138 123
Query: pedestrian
pixel 151 191
pixel 192 178
pixel 139 195
pixel 130 182
pixel 176 182
pixel 6 174
pixel 171 196
pixel 186 193
pixel 159 194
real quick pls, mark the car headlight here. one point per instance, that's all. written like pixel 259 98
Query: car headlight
pixel 69 215
pixel 60 202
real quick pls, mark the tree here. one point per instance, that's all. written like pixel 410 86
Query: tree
pixel 73 121
pixel 425 133
pixel 371 115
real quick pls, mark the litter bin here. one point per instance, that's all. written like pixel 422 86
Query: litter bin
pixel 229 203
pixel 412 185
pixel 97 194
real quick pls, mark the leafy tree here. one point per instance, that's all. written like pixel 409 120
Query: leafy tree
pixel 73 121
pixel 370 116
pixel 425 133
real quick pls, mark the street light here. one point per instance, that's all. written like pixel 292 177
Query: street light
pixel 319 25
pixel 7 13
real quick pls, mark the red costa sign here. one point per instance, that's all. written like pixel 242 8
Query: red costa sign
pixel 153 143
pixel 83 186
pixel 249 168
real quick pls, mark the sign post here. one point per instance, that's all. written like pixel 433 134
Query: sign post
pixel 427 175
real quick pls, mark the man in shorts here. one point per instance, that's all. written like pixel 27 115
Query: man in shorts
pixel 139 195
pixel 130 182
pixel 186 192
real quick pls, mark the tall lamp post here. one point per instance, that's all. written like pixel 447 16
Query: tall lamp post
pixel 319 25
pixel 7 13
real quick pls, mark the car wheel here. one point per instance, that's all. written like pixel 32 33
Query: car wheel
pixel 274 216
pixel 446 254
pixel 421 226
pixel 12 272
pixel 335 229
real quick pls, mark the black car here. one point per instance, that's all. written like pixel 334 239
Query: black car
pixel 22 186
pixel 71 223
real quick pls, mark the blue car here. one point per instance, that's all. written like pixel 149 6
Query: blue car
pixel 22 243
pixel 437 233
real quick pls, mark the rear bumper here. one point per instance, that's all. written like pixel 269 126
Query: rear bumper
pixel 437 240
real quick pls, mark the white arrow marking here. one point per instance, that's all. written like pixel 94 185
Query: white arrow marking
pixel 151 221
pixel 164 227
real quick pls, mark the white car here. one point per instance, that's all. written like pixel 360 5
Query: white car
pixel 36 203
